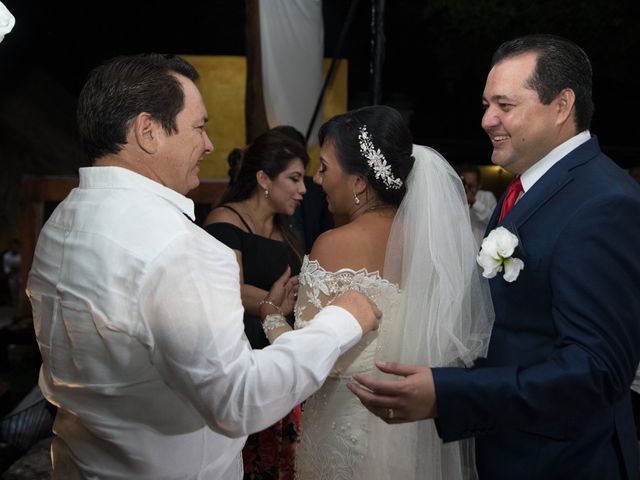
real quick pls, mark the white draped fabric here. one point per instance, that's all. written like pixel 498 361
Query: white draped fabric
pixel 7 21
pixel 292 49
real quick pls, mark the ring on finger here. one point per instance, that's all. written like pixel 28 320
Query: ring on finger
pixel 390 413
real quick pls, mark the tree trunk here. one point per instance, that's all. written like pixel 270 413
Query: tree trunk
pixel 254 111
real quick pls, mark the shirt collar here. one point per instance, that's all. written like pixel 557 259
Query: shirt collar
pixel 118 177
pixel 538 169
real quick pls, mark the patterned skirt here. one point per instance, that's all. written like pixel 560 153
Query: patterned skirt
pixel 271 453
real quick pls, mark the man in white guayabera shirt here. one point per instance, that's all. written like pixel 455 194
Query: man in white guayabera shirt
pixel 7 21
pixel 137 310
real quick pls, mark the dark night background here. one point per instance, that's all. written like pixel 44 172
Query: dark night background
pixel 437 56
pixel 436 59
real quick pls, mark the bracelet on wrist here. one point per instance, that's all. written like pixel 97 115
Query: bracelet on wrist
pixel 266 301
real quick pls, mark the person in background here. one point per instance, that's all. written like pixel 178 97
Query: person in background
pixel 265 188
pixel 552 399
pixel 313 216
pixel 11 261
pixel 137 310
pixel 481 202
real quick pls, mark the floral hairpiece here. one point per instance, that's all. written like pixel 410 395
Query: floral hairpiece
pixel 377 161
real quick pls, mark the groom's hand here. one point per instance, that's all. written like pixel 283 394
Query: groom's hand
pixel 406 399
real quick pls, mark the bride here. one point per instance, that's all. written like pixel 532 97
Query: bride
pixel 407 244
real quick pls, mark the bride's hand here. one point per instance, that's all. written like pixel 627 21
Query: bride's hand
pixel 290 296
pixel 282 295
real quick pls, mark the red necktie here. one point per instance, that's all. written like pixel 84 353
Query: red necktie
pixel 513 190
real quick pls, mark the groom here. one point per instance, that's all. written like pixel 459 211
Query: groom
pixel 552 398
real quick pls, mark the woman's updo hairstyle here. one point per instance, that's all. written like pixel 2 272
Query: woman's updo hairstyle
pixel 234 160
pixel 387 132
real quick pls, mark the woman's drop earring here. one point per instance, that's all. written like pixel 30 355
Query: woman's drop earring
pixel 266 193
pixel 356 200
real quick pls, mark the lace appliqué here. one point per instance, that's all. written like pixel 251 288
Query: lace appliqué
pixel 319 288
pixel 273 321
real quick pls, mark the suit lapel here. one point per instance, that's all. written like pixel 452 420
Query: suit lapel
pixel 541 192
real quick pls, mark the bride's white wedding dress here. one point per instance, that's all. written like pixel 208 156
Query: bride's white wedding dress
pixel 334 422
pixel 436 312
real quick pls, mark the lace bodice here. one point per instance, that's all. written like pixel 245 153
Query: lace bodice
pixel 436 320
pixel 319 288
pixel 334 422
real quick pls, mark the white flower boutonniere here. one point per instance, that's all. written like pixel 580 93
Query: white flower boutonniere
pixel 496 252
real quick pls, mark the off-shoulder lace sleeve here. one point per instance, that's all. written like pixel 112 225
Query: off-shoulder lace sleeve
pixel 319 288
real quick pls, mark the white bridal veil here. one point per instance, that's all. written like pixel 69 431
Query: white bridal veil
pixel 445 315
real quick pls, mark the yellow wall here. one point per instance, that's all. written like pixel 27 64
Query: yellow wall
pixel 494 178
pixel 335 102
pixel 222 83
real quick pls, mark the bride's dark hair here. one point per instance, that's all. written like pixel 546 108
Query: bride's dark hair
pixel 388 132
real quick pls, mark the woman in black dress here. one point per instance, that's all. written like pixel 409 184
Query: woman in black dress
pixel 253 218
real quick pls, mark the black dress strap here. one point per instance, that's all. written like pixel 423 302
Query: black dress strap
pixel 238 214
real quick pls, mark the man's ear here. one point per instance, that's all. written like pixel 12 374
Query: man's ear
pixel 145 131
pixel 565 102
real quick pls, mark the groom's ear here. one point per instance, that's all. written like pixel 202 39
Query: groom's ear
pixel 565 105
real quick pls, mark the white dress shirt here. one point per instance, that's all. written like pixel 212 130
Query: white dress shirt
pixel 138 316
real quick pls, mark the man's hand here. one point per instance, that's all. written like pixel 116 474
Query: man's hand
pixel 362 308
pixel 403 400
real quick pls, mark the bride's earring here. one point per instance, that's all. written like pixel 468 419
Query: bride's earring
pixel 356 200
pixel 266 193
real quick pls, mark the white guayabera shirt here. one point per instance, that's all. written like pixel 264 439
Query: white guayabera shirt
pixel 138 317
pixel 480 214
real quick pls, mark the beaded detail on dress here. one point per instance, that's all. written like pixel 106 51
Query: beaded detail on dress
pixel 334 422
pixel 318 287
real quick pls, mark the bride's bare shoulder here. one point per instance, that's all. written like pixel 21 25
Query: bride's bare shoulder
pixel 338 248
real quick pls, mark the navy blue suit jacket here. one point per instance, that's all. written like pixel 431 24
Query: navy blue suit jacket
pixel 552 398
